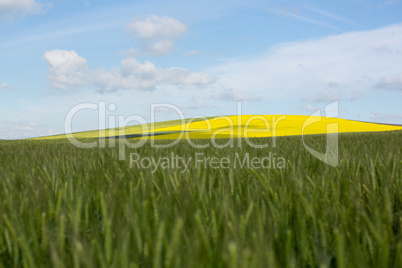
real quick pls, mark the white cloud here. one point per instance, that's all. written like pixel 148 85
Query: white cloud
pixel 6 86
pixel 146 76
pixel 66 68
pixel 18 6
pixel 391 82
pixel 159 48
pixel 132 75
pixel 341 64
pixel 157 35
pixel 157 28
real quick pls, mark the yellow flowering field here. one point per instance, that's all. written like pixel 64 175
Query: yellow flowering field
pixel 238 127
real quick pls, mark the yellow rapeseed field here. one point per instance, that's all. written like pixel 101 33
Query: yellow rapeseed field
pixel 268 126
pixel 239 127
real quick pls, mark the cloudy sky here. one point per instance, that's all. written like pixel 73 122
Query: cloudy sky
pixel 276 57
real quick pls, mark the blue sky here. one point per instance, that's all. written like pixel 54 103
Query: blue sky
pixel 277 57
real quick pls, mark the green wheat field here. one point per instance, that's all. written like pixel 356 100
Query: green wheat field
pixel 63 206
